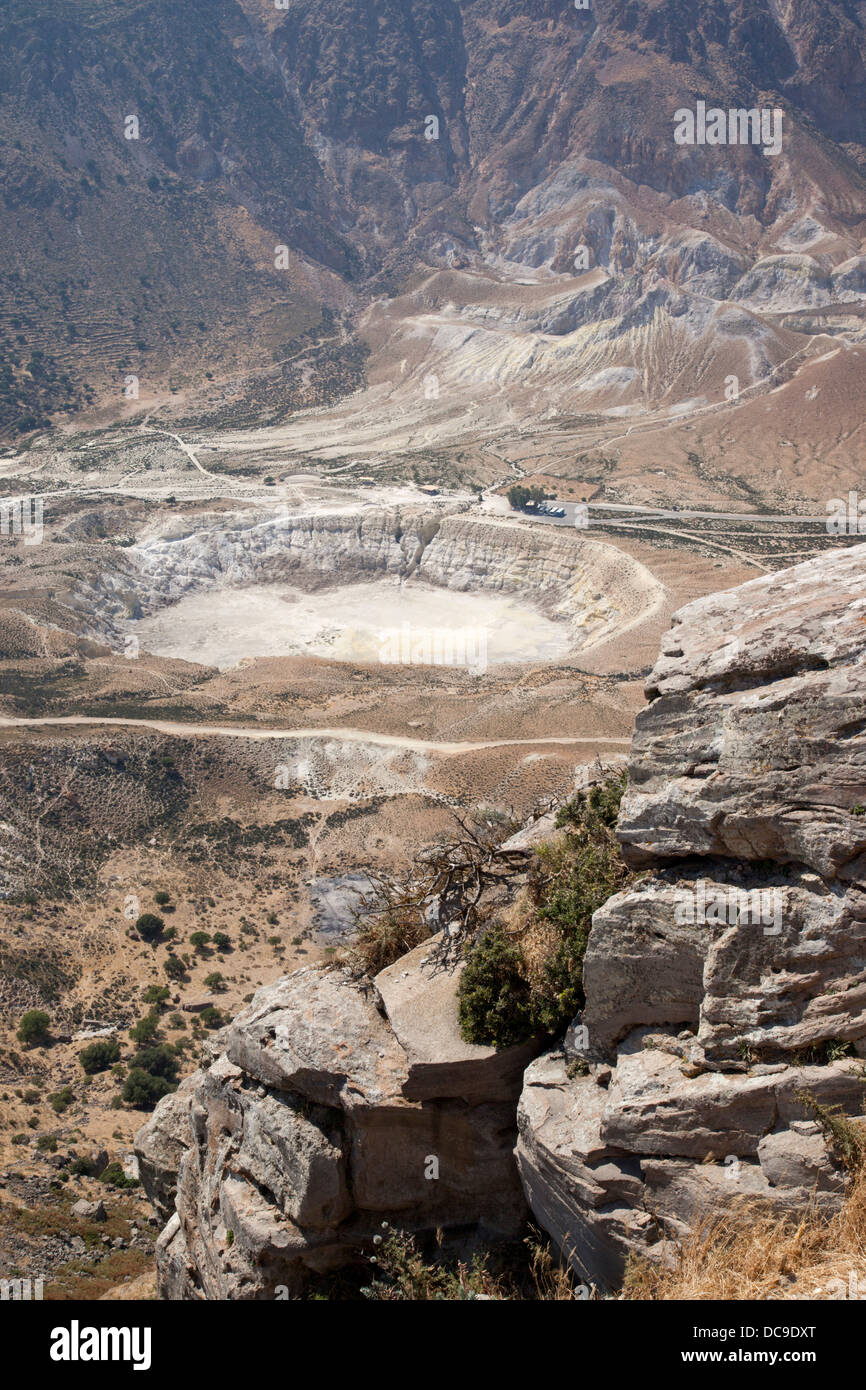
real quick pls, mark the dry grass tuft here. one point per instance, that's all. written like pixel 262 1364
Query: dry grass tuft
pixel 747 1255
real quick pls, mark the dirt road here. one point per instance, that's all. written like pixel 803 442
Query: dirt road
pixel 414 745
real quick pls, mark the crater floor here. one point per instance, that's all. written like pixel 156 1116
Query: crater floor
pixel 389 619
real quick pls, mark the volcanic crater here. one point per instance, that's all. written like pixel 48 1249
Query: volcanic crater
pixel 386 585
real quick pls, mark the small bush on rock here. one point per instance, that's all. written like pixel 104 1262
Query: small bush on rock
pixel 530 980
pixel 494 1000
pixel 114 1176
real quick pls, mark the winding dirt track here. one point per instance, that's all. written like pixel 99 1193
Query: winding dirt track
pixel 414 745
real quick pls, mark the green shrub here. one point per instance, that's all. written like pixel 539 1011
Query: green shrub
pixel 156 994
pixel 221 940
pixel 146 1029
pixel 162 898
pixel 505 995
pixel 158 1061
pixel 61 1100
pixel 114 1176
pixel 149 926
pixel 33 1028
pixel 100 1055
pixel 845 1137
pixel 142 1090
pixel 494 1002
pixel 199 939
pixel 582 870
pixel 175 968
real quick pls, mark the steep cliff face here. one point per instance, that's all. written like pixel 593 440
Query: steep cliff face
pixel 731 980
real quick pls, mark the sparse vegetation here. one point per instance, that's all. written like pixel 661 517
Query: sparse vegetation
pixel 444 885
pixel 750 1254
pixel 846 1137
pixel 408 1269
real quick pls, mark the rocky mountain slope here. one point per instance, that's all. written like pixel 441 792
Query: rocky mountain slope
pixel 500 144
pixel 724 1003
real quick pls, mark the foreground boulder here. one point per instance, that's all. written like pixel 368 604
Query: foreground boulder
pixel 335 1105
pixel 726 990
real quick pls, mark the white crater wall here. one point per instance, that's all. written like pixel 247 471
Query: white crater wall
pixel 591 588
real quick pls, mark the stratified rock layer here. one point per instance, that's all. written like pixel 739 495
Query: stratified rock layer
pixel 731 983
pixel 335 1106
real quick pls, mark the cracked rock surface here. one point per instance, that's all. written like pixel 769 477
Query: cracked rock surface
pixel 334 1106
pixel 731 980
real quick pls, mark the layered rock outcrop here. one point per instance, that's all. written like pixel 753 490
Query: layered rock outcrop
pixel 334 1106
pixel 729 985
